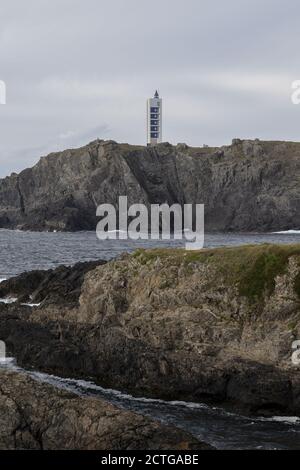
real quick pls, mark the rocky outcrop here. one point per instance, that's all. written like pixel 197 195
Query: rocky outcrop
pixel 249 185
pixel 40 417
pixel 60 286
pixel 215 325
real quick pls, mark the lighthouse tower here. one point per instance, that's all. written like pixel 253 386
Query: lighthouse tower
pixel 154 120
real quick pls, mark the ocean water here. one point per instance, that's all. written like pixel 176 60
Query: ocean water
pixel 24 251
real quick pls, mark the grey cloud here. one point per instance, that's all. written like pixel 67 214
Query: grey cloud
pixel 77 69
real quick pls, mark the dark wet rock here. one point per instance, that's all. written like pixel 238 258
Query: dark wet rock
pixel 56 286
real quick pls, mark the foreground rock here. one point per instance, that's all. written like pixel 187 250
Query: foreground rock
pixel 38 416
pixel 216 325
pixel 249 185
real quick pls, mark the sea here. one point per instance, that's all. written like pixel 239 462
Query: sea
pixel 22 251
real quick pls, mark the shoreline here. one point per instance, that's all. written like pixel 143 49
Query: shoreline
pixel 212 232
pixel 213 327
pixel 58 419
pixel 148 407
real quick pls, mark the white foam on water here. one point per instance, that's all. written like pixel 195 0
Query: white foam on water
pixel 32 305
pixel 76 384
pixel 283 419
pixel 288 232
pixel 8 300
pixel 7 360
pixel 92 386
pixel 2 279
pixel 79 386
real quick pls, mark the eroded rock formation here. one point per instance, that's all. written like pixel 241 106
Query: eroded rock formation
pixel 246 186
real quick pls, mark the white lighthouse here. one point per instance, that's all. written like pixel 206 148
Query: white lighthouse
pixel 154 120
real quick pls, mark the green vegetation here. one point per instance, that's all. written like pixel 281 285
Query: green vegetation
pixel 252 268
pixel 260 278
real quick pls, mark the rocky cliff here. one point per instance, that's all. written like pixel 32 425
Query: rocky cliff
pixel 214 325
pixel 249 185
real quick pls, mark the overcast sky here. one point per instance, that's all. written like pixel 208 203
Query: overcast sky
pixel 76 70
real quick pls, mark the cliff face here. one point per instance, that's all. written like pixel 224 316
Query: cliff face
pixel 212 325
pixel 250 185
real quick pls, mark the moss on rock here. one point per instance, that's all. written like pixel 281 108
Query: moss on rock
pixel 252 269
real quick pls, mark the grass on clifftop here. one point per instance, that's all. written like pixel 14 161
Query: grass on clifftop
pixel 252 268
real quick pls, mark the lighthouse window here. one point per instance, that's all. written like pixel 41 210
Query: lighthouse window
pixel 154 135
pixel 154 116
pixel 154 123
pixel 154 110
pixel 154 128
